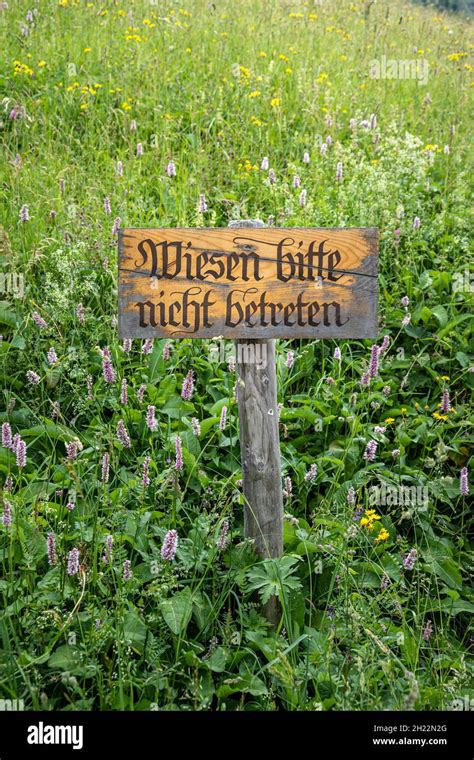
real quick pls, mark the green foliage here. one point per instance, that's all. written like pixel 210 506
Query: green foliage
pixel 216 87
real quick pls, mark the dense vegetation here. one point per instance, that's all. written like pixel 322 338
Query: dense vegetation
pixel 101 610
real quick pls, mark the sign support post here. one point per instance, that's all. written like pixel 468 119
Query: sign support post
pixel 260 446
pixel 251 285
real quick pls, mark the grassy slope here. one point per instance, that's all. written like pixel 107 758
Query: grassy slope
pixel 216 89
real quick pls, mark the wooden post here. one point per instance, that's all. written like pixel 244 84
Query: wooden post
pixel 260 446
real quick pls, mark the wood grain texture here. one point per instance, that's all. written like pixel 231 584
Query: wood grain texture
pixel 260 449
pixel 248 283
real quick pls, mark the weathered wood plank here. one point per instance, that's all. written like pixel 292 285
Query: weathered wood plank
pixel 260 448
pixel 258 283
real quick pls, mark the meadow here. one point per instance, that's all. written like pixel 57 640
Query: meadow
pixel 126 581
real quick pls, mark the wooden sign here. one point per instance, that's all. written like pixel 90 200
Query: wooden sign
pixel 248 283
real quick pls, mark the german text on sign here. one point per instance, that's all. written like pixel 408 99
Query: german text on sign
pixel 248 283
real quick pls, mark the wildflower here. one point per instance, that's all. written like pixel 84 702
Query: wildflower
pixel 24 213
pixel 223 419
pixel 187 387
pixel 352 124
pixel 6 435
pixel 383 535
pixel 119 169
pixel 179 454
pixel 386 390
pixel 379 430
pixel 385 583
pixel 406 320
pixel 302 200
pixel 370 451
pixel 416 223
pixel 171 169
pixel 337 354
pixel 109 546
pixel 202 204
pixel 427 631
pixel 311 474
pixel 410 559
pixel 116 225
pixel 296 181
pixel 7 513
pixel 223 539
pixel 122 435
pixel 463 482
pixel 446 150
pixel 231 363
pixel 70 506
pixel 370 519
pixel 127 345
pixel 62 186
pixel 384 347
pixel 196 426
pixel 339 170
pixel 374 361
pixel 72 449
pixel 51 548
pixel 306 157
pixel 395 453
pixel 90 394
pixel 107 208
pixel 166 351
pixel 124 393
pixel 147 346
pixel 105 467
pixel 151 421
pixel 139 149
pixel 145 473
pixel 73 562
pixel 351 496
pixel 127 572
pixel 330 380
pixel 80 313
pixel 170 545
pixel 288 489
pixel 20 452
pixel 32 377
pixel 329 140
pixel 8 484
pixel 365 379
pixel 323 149
pixel 445 402
pixel 405 301
pixel 52 356
pixel 271 176
pixel 38 319
pixel 133 126
pixel 290 359
pixel 108 370
pixel 265 164
pixel 141 393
